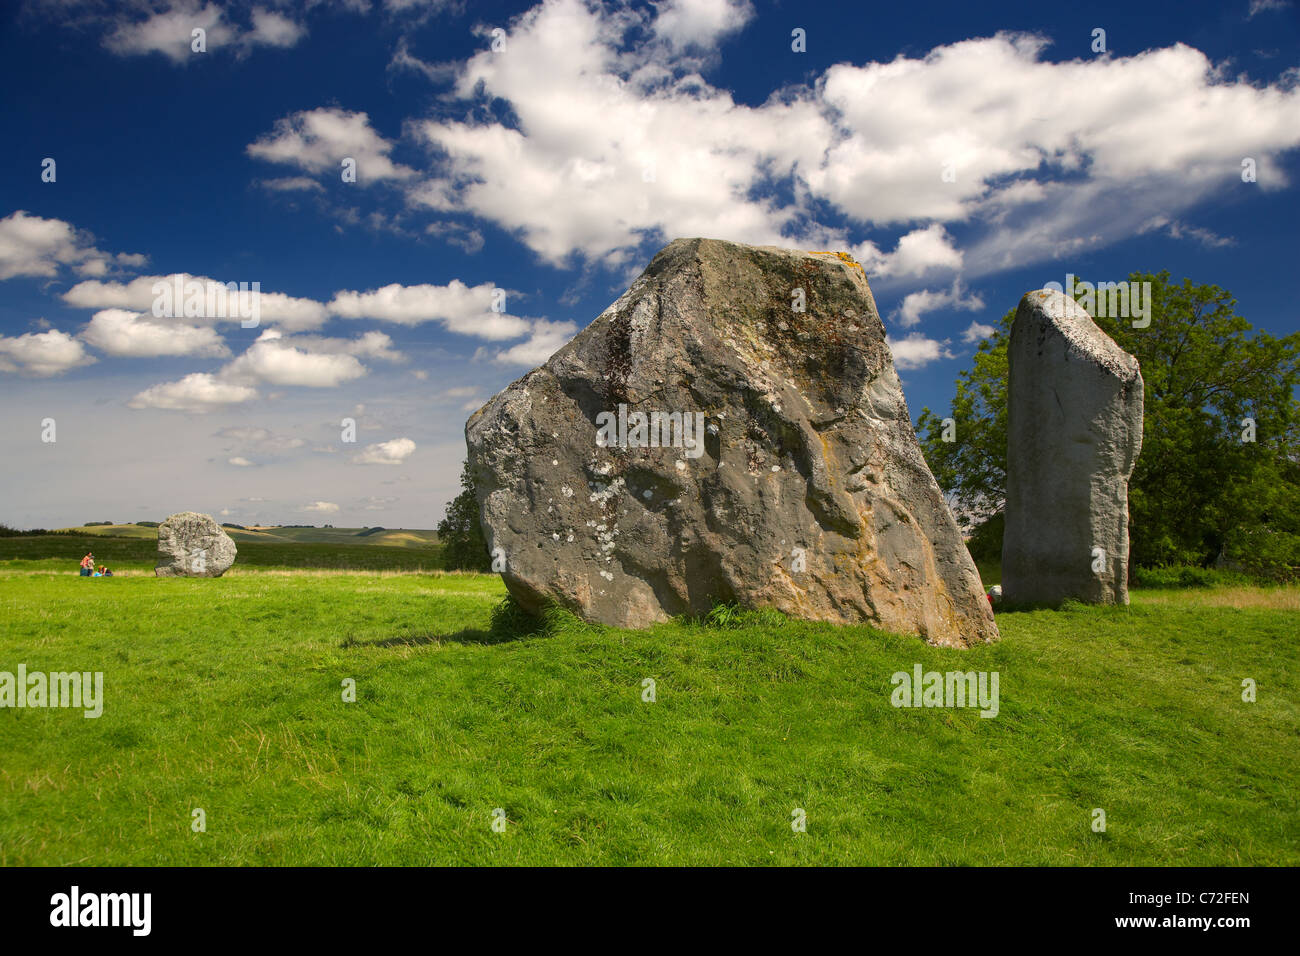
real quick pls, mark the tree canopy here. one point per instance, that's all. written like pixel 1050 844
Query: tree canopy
pixel 460 534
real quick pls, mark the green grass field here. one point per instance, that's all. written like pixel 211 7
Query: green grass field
pixel 226 695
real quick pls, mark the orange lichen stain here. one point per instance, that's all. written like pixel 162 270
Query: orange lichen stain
pixel 829 458
pixel 844 256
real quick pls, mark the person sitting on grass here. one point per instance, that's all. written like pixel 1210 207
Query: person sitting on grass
pixel 87 563
pixel 104 571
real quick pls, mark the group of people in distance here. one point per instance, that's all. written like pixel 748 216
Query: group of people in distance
pixel 88 569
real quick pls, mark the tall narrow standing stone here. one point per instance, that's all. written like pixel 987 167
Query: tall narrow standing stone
pixel 1074 431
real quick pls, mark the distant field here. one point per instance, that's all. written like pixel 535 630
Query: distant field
pixel 225 695
pixel 126 553
pixel 385 538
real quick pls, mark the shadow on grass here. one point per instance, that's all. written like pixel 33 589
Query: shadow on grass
pixel 466 635
pixel 1069 604
pixel 1022 607
pixel 509 622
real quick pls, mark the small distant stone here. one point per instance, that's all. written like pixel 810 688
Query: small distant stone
pixel 193 545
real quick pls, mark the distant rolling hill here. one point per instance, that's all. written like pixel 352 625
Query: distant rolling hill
pixel 382 537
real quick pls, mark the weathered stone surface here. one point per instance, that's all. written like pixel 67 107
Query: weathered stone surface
pixel 809 495
pixel 193 545
pixel 1074 431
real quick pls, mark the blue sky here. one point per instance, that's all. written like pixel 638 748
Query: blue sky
pixel 963 156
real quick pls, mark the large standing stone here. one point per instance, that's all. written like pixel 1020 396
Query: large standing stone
pixel 1074 431
pixel 193 545
pixel 807 492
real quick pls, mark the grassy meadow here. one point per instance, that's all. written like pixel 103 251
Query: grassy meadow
pixel 227 695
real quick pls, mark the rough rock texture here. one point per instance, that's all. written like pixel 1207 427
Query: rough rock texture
pixel 193 545
pixel 1074 431
pixel 809 495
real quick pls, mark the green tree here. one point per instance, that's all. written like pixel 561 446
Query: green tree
pixel 1199 490
pixel 460 534
pixel 969 459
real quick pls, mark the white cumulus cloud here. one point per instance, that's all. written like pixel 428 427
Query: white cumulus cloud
pixel 606 144
pixel 128 334
pixel 545 339
pixel 273 361
pixel 392 452
pixel 167 27
pixel 917 304
pixel 466 310
pixel 917 253
pixel 976 331
pixel 33 246
pixel 318 141
pixel 918 351
pixel 700 23
pixel 290 313
pixel 198 392
pixel 42 354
